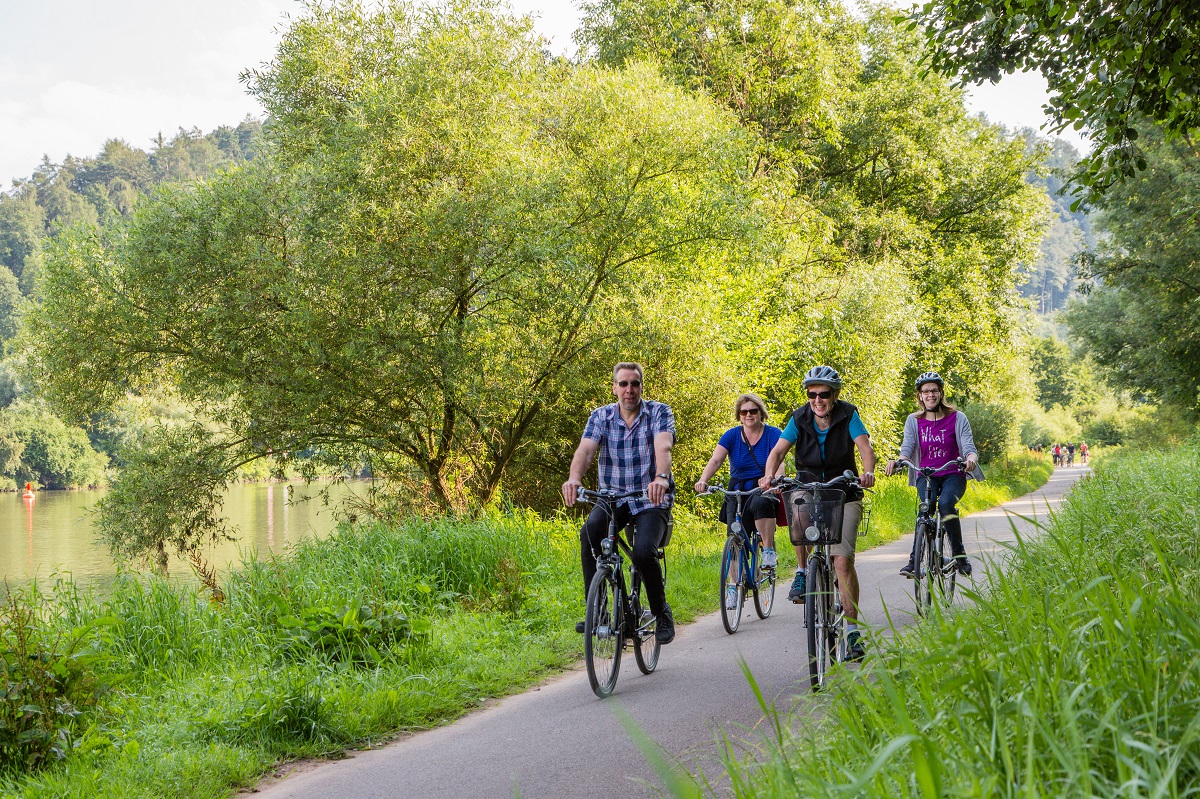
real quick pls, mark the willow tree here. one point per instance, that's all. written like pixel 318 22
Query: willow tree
pixel 438 232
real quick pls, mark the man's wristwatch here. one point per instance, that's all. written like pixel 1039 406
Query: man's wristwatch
pixel 664 476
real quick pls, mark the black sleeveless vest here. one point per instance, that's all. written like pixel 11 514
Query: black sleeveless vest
pixel 839 447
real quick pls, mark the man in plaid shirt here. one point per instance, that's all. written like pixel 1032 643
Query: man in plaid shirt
pixel 634 438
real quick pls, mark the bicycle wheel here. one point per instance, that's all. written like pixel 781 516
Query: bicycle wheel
pixel 935 567
pixel 764 587
pixel 602 632
pixel 645 645
pixel 921 578
pixel 950 571
pixel 733 593
pixel 817 620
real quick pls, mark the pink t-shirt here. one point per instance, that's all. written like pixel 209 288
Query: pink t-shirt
pixel 938 443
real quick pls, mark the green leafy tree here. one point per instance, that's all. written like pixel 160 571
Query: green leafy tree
pixel 22 226
pixel 1106 63
pixel 51 453
pixel 883 182
pixel 427 256
pixel 11 303
pixel 1141 319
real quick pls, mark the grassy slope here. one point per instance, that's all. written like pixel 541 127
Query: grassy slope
pixel 1075 674
pixel 215 695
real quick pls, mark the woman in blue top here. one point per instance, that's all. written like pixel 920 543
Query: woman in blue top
pixel 747 447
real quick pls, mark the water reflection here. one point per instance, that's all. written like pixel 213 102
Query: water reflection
pixel 51 532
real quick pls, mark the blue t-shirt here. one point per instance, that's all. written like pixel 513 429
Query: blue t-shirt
pixel 857 428
pixel 742 468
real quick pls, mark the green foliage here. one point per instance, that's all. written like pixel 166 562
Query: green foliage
pixel 1105 63
pixel 897 221
pixel 1141 319
pixel 50 677
pixel 508 234
pixel 42 449
pixel 994 427
pixel 354 633
pixel 1064 676
pixel 186 472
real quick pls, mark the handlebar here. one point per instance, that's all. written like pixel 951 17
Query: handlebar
pixel 929 470
pixel 593 496
pixel 729 492
pixel 848 478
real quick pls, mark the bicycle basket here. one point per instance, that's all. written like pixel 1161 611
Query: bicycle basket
pixel 815 517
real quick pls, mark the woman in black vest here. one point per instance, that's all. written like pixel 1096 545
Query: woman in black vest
pixel 826 431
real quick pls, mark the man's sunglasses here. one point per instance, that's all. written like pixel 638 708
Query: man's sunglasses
pixel 634 383
pixel 820 394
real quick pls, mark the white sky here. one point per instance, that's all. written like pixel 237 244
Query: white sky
pixel 74 73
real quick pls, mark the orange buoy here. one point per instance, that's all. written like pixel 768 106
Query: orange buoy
pixel 29 491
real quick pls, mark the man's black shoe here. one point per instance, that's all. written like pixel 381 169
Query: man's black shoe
pixel 907 569
pixel 963 565
pixel 665 633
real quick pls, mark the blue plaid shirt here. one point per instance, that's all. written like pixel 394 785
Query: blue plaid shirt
pixel 627 451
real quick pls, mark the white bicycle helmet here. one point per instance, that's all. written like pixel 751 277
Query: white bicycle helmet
pixel 930 377
pixel 826 375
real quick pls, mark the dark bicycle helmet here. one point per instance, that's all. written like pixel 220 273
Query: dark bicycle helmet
pixel 930 377
pixel 826 375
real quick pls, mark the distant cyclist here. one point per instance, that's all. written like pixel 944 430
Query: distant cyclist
pixel 935 434
pixel 1070 454
pixel 747 447
pixel 634 438
pixel 826 431
pixel 1083 452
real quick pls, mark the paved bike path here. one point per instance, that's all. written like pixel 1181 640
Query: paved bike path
pixel 558 741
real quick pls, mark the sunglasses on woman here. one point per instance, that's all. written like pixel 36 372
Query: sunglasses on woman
pixel 820 394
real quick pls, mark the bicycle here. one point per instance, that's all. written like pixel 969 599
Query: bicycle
pixel 814 512
pixel 741 566
pixel 616 615
pixel 933 573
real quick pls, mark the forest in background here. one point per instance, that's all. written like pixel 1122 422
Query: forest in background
pixel 429 269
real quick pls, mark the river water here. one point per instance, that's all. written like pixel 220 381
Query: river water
pixel 52 533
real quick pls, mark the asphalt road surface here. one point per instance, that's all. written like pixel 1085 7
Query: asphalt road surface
pixel 558 741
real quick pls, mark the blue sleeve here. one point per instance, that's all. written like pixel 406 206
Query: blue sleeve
pixel 857 428
pixel 593 429
pixel 664 420
pixel 790 433
pixel 728 438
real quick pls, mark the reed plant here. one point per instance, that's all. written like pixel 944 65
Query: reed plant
pixel 1074 673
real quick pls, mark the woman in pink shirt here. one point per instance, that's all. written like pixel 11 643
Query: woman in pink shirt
pixel 935 434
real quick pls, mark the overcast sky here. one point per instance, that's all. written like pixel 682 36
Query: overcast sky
pixel 74 73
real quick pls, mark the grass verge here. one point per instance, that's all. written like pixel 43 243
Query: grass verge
pixel 342 643
pixel 1075 673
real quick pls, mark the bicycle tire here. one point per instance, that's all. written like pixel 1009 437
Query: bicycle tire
pixel 732 569
pixel 920 576
pixel 934 566
pixel 646 647
pixel 764 587
pixel 817 622
pixel 951 573
pixel 602 628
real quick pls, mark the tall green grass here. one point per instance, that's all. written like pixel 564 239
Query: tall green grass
pixel 343 642
pixel 1076 673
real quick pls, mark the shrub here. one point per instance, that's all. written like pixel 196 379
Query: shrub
pixel 48 678
pixel 994 427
